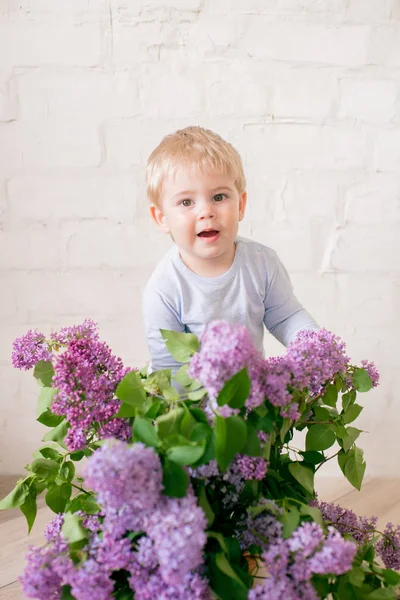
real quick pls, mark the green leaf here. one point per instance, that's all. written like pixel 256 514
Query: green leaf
pixel 72 528
pixel 205 505
pixel 339 430
pixel 304 475
pixel 287 423
pixel 185 455
pixel 188 423
pixel 76 456
pixel 157 381
pixel 319 437
pixel 224 565
pixel 220 539
pixel 16 497
pixel 48 452
pixel 313 512
pixel 67 470
pixel 84 502
pixel 45 468
pixel 199 415
pixel 49 419
pixel 58 496
pixel 290 520
pixel 355 467
pixel 201 431
pixel 348 399
pixel 66 593
pixel 235 391
pixel 152 412
pixel 356 576
pixel 197 394
pixel 126 411
pixel 170 422
pixel 29 509
pixel 331 395
pixel 351 413
pixel 144 431
pixel 361 380
pixel 57 434
pixel 175 480
pixel 382 594
pixel 130 391
pixel 252 446
pixel 342 459
pixel 352 434
pixel 391 577
pixel 312 457
pixel 44 372
pixel 181 346
pixel 321 413
pixel 182 377
pixel 230 438
pixel 45 400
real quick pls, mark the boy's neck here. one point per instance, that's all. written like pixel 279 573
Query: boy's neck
pixel 210 267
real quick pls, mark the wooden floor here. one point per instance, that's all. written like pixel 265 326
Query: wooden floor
pixel 379 497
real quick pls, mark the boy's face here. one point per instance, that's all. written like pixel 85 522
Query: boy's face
pixel 202 212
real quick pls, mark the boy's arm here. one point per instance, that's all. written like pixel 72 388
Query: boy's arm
pixel 284 316
pixel 159 314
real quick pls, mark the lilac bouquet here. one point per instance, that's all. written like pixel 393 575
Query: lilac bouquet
pixel 191 487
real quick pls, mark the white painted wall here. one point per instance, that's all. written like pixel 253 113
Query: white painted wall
pixel 308 92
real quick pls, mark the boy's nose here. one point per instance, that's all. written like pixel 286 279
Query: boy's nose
pixel 206 210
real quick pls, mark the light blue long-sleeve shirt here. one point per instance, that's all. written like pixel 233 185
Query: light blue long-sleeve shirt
pixel 254 292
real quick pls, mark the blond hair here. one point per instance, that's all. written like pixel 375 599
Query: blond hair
pixel 192 147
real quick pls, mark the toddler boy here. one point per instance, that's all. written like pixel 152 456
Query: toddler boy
pixel 197 192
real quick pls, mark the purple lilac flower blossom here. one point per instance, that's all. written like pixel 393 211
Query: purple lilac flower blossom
pixel 362 529
pixel 372 372
pixel 86 376
pixel 29 349
pixel 277 380
pixel 263 529
pixel 128 483
pixel 177 529
pixel 149 585
pixel 119 429
pixel 91 580
pixel 336 555
pixel 316 356
pixel 225 350
pixel 292 562
pixel 87 329
pixel 53 529
pixel 388 547
pixel 46 569
pixel 251 467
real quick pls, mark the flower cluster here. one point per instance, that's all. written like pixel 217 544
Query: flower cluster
pixel 86 375
pixel 311 361
pixel 29 349
pixel 175 502
pixel 292 562
pixel 363 530
pixel 243 468
pixel 127 481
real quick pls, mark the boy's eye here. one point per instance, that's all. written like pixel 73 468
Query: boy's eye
pixel 219 197
pixel 186 202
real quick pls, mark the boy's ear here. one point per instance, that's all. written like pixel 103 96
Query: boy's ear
pixel 242 205
pixel 159 217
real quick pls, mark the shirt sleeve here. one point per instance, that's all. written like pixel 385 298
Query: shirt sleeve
pixel 284 316
pixel 158 313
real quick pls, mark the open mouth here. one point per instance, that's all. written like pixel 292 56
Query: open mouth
pixel 210 233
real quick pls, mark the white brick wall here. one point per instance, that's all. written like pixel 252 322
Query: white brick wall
pixel 309 92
